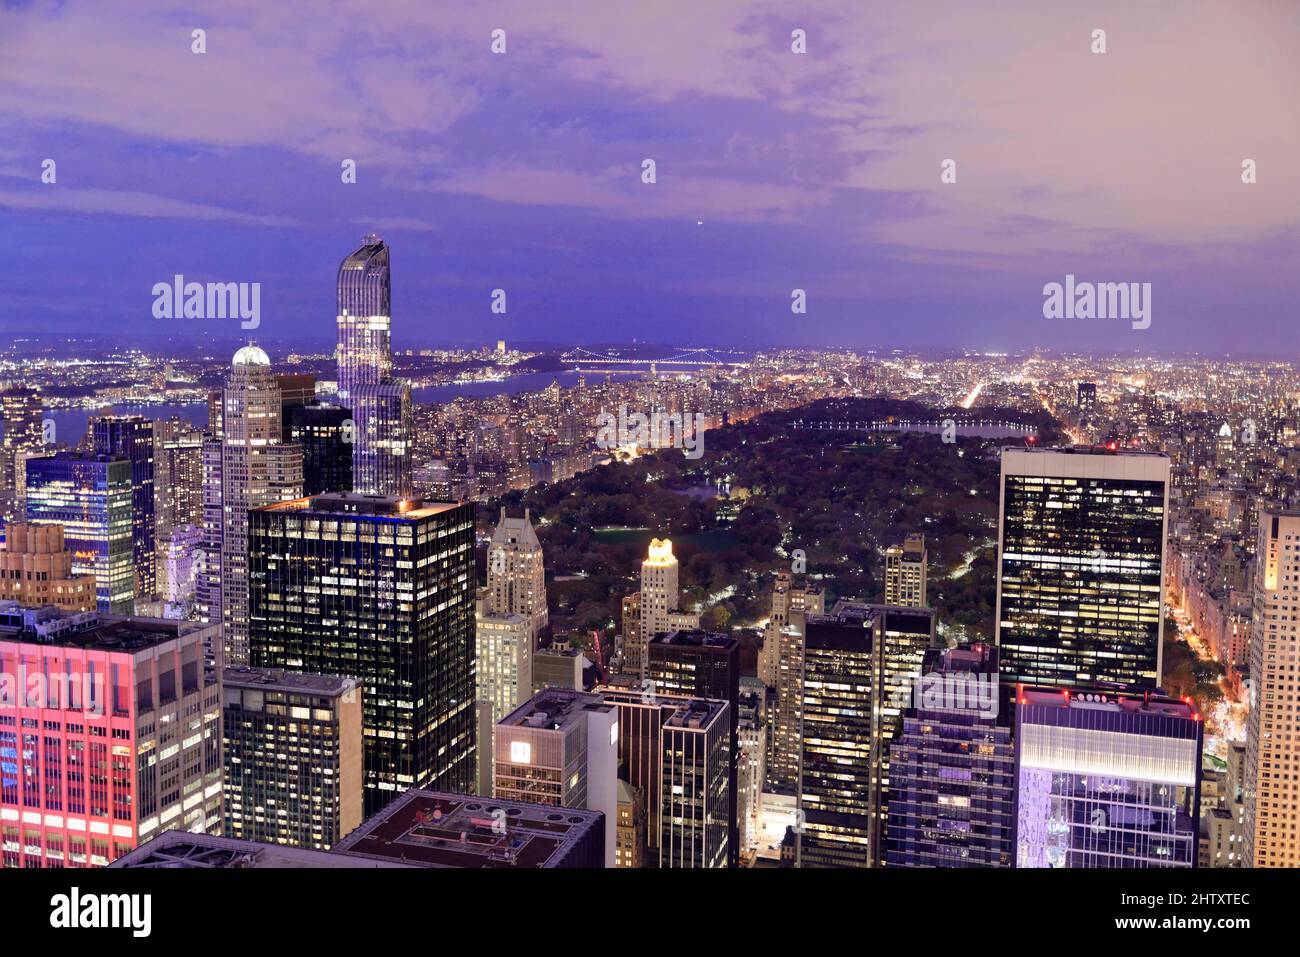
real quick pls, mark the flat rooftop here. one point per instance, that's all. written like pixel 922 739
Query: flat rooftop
pixel 1108 450
pixel 356 503
pixel 1112 702
pixel 91 631
pixel 695 639
pixel 696 713
pixel 274 679
pixel 436 829
pixel 181 849
pixel 552 708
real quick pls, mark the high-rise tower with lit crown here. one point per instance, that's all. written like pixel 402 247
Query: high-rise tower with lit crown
pixel 380 404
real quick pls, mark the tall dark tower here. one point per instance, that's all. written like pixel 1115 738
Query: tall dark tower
pixel 131 437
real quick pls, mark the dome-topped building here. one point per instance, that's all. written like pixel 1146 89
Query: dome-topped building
pixel 251 355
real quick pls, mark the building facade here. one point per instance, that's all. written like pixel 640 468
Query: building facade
pixel 90 497
pixel 381 589
pixel 125 745
pixel 292 757
pixel 1081 566
pixel 1106 779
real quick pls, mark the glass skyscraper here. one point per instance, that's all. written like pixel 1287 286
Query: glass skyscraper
pixel 952 768
pixel 1081 566
pixel 381 406
pixel 380 589
pixel 1106 779
pixel 90 496
pixel 131 437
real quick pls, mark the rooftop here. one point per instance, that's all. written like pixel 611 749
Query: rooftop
pixel 696 713
pixel 182 849
pixel 1112 702
pixel 49 625
pixel 435 829
pixel 275 679
pixel 552 708
pixel 356 503
pixel 695 639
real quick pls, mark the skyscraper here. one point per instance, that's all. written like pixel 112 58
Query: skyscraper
pixel 90 496
pixel 381 589
pixel 1272 797
pixel 364 318
pixel 126 745
pixel 177 490
pixel 255 468
pixel 952 768
pixel 697 818
pixel 860 663
pixel 701 664
pixel 22 411
pixel 504 670
pixel 381 406
pixel 132 437
pixel 787 597
pixel 560 747
pixel 656 606
pixel 1106 779
pixel 1081 566
pixel 905 572
pixel 325 433
pixel 292 756
pixel 516 577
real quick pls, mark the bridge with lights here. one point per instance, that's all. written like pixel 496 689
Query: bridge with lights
pixel 1002 426
pixel 584 360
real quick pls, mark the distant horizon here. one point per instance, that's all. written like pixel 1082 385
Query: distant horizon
pixel 916 175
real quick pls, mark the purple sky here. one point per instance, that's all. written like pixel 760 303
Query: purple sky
pixel 522 171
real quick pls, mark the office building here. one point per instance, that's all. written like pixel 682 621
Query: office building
pixel 120 741
pixel 751 767
pixel 36 570
pixel 952 768
pixel 697 811
pixel 131 437
pixel 325 433
pixel 505 678
pixel 701 664
pixel 860 664
pixel 177 488
pixel 1086 399
pixel 381 589
pixel 516 577
pixel 905 573
pixel 787 597
pixel 22 411
pixel 631 833
pixel 560 667
pixel 249 467
pixel 1106 779
pixel 1272 791
pixel 90 496
pixel 1081 566
pixel 292 757
pixel 560 748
